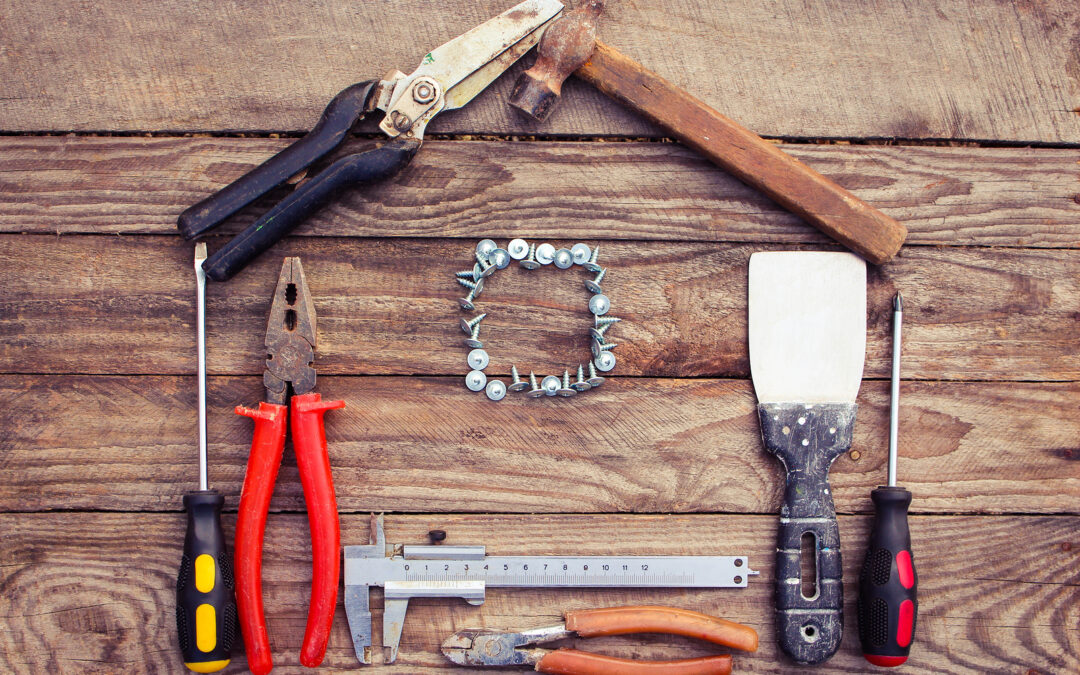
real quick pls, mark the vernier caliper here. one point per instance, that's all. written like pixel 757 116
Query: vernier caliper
pixel 441 571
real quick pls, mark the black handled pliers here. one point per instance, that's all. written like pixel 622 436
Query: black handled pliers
pixel 448 77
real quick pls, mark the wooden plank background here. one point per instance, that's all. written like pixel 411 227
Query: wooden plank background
pixel 97 360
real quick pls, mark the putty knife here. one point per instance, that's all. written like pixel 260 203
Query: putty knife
pixel 807 328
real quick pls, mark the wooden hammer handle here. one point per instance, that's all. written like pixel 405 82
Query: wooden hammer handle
pixel 797 187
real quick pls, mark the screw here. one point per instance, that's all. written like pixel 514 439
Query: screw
pixel 600 321
pixel 485 247
pixel 468 274
pixel 477 286
pixel 478 359
pixel 599 347
pixel 605 361
pixel 517 384
pixel 599 304
pixel 564 259
pixel 598 333
pixel 474 338
pixel 594 379
pixel 475 380
pixel 468 325
pixel 500 258
pixel 536 391
pixel 423 92
pixel 581 384
pixel 466 302
pixel 401 122
pixel 545 253
pixel 486 268
pixel 551 385
pixel 496 390
pixel 530 262
pixel 593 285
pixel 581 253
pixel 518 248
pixel 591 264
pixel 567 390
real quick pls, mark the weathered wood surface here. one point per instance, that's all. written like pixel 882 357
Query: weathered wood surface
pixel 88 592
pixel 430 445
pixel 106 304
pixel 952 196
pixel 932 69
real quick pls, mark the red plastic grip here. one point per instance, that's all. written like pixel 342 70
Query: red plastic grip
pixel 267 444
pixel 309 442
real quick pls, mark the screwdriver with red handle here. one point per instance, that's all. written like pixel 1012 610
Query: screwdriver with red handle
pixel 887 588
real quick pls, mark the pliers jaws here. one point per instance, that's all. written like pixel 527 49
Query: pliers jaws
pixel 290 336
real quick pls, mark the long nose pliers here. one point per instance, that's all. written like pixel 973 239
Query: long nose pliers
pixel 448 77
pixel 290 355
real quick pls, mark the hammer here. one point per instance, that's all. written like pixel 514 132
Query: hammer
pixel 570 46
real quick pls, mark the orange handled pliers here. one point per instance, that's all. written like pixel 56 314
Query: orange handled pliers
pixel 290 354
pixel 484 647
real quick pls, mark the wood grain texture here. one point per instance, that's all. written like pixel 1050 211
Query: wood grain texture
pixel 430 445
pixel 100 304
pixel 954 196
pixel 71 608
pixel 932 69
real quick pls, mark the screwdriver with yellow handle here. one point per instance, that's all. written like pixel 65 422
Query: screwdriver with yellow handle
pixel 205 605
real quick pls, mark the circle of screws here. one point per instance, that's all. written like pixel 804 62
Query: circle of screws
pixel 489 258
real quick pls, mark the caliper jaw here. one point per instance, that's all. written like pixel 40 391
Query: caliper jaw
pixel 357 597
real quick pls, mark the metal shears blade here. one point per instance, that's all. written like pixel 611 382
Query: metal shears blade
pixel 463 67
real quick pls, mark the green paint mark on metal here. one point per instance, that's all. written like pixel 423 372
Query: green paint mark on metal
pixel 428 58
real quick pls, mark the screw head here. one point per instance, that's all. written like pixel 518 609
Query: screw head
pixel 496 390
pixel 564 259
pixel 466 304
pixel 595 347
pixel 423 92
pixel 545 254
pixel 581 253
pixel 486 246
pixel 530 264
pixel 517 248
pixel 605 361
pixel 478 359
pixel 593 287
pixel 599 304
pixel 519 386
pixel 596 335
pixel 474 343
pixel 476 380
pixel 465 327
pixel 487 271
pixel 581 386
pixel 500 258
pixel 551 385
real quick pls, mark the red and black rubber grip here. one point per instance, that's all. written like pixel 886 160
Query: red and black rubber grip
pixel 888 605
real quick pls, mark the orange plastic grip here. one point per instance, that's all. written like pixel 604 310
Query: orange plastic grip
pixel 309 442
pixel 574 662
pixel 262 468
pixel 653 619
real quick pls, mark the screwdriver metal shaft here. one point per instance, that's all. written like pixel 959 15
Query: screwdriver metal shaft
pixel 205 605
pixel 887 603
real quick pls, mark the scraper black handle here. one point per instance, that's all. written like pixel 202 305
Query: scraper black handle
pixel 806 439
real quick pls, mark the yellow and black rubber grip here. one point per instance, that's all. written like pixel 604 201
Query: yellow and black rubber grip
pixel 205 602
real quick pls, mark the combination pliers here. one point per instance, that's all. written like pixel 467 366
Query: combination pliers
pixel 448 77
pixel 289 379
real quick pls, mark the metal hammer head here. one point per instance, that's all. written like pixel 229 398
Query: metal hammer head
pixel 566 44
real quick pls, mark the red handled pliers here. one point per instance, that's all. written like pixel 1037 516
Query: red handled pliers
pixel 290 355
